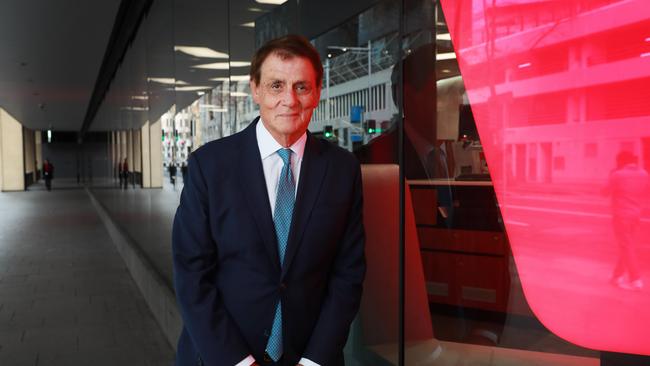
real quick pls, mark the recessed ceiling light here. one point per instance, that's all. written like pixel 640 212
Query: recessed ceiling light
pixel 446 71
pixel 445 56
pixel 256 10
pixel 443 37
pixel 223 65
pixel 192 88
pixel 200 52
pixel 272 2
pixel 240 77
pixel 248 25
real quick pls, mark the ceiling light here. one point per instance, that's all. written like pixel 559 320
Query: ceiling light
pixel 140 97
pixel 167 81
pixel 238 94
pixel 445 56
pixel 135 109
pixel 524 65
pixel 223 65
pixel 221 78
pixel 191 88
pixel 446 71
pixel 443 37
pixel 273 2
pixel 200 52
pixel 214 66
pixel 240 77
pixel 256 10
pixel 248 25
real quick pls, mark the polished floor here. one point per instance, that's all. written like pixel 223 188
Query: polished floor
pixel 66 297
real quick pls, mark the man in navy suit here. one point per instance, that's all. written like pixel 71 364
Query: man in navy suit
pixel 268 240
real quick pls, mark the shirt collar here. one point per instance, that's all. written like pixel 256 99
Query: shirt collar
pixel 268 146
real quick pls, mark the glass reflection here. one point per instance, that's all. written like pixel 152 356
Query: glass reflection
pixel 556 92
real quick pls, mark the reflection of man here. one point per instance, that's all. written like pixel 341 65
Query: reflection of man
pixel 425 157
pixel 266 273
pixel 628 186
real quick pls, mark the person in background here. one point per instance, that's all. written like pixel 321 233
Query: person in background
pixel 48 174
pixel 172 174
pixel 628 189
pixel 124 173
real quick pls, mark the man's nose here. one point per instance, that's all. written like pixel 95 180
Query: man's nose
pixel 289 97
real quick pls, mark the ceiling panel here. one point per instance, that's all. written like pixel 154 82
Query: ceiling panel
pixel 50 55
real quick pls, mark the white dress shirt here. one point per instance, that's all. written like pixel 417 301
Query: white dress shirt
pixel 272 164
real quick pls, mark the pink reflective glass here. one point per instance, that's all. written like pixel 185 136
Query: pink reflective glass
pixel 560 91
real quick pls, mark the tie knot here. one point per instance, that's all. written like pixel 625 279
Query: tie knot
pixel 285 155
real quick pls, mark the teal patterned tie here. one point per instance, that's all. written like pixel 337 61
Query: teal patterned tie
pixel 282 219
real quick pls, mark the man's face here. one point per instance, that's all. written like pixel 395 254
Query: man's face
pixel 287 95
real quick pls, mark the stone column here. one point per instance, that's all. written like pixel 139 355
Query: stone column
pixel 12 167
pixel 146 155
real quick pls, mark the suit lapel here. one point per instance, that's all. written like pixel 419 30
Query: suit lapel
pixel 312 172
pixel 253 186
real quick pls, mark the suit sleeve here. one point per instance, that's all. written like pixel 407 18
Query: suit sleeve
pixel 345 286
pixel 214 334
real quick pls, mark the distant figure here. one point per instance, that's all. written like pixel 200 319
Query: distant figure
pixel 124 174
pixel 119 172
pixel 172 174
pixel 628 186
pixel 184 172
pixel 48 174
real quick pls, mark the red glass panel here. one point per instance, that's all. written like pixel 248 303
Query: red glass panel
pixel 560 91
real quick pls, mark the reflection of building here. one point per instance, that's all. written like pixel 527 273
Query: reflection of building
pixel 564 103
pixel 168 147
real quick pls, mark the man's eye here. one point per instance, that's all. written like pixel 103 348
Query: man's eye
pixel 303 89
pixel 276 86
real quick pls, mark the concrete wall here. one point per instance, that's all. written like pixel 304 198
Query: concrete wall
pixel 12 168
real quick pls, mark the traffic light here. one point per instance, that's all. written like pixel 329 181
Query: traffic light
pixel 371 126
pixel 328 132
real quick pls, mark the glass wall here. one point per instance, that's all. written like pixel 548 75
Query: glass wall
pixel 504 145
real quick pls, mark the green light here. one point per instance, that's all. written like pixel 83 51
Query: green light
pixel 371 130
pixel 328 134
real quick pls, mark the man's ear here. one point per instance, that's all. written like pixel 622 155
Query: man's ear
pixel 255 90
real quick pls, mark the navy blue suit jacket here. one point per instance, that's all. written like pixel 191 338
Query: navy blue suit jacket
pixel 227 273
